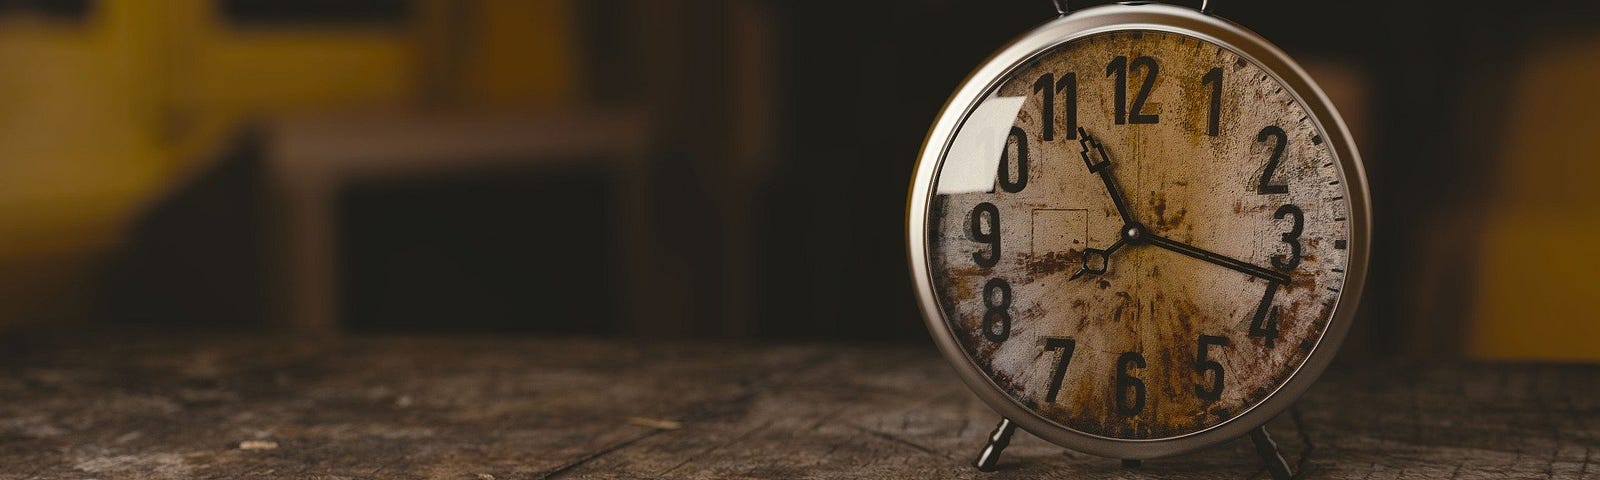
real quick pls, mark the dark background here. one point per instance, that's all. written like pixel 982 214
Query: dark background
pixel 768 200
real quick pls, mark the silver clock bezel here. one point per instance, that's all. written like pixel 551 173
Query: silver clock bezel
pixel 1148 17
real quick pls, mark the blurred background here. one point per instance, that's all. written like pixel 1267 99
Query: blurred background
pixel 698 168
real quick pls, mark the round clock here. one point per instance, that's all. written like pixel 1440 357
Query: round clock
pixel 1138 230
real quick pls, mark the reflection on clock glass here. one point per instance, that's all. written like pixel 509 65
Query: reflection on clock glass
pixel 1138 235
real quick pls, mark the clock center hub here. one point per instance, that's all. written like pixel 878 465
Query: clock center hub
pixel 1133 233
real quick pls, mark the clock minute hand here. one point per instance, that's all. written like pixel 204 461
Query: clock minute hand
pixel 1094 157
pixel 1237 265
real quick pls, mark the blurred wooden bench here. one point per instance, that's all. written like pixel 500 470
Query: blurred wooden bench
pixel 310 158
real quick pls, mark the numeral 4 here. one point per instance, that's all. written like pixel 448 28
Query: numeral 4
pixel 1264 323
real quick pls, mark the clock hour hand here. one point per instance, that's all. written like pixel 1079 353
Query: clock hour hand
pixel 1104 256
pixel 1094 157
pixel 1231 263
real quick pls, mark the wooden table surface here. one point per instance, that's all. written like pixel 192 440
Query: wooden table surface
pixel 494 408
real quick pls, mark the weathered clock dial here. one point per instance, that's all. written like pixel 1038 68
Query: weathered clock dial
pixel 1138 234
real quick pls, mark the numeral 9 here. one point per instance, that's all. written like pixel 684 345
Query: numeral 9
pixel 991 236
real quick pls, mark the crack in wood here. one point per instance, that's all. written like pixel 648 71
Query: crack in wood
pixel 778 412
pixel 901 441
pixel 714 448
pixel 567 467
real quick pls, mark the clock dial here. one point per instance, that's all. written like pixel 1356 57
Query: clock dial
pixel 1138 234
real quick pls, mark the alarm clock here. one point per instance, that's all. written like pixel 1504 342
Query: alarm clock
pixel 1138 230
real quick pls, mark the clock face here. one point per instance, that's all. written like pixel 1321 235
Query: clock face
pixel 1138 234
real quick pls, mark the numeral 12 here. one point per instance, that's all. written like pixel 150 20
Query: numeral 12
pixel 1119 67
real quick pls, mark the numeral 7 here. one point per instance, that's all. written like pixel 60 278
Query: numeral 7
pixel 1065 345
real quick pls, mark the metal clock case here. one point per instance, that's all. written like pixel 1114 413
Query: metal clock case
pixel 1108 435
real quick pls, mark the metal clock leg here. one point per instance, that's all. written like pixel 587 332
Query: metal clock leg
pixel 1276 465
pixel 990 456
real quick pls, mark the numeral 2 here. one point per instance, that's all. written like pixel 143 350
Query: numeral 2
pixel 1264 185
pixel 1119 67
pixel 1048 86
pixel 1065 345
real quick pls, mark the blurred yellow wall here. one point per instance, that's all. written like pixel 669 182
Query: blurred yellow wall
pixel 98 119
pixel 1538 264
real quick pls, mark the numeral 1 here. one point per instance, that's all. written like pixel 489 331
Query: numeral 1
pixel 1214 114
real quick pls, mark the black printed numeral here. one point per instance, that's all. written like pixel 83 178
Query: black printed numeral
pixel 1065 345
pixel 997 310
pixel 1264 323
pixel 1129 385
pixel 1203 363
pixel 990 236
pixel 1292 237
pixel 1213 79
pixel 1264 186
pixel 1018 138
pixel 1048 87
pixel 1123 112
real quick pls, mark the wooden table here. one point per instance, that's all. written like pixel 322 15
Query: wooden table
pixel 493 408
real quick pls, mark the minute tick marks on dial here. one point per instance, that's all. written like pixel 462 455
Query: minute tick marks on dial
pixel 1000 269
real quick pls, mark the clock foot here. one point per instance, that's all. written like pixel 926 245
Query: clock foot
pixel 998 440
pixel 1268 450
pixel 1131 463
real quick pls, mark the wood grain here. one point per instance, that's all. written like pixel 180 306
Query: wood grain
pixel 403 408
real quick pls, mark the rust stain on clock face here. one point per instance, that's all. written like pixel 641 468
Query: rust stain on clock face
pixel 1152 306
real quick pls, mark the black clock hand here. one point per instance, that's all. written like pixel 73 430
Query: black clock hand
pixel 1105 259
pixel 1094 156
pixel 1196 252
